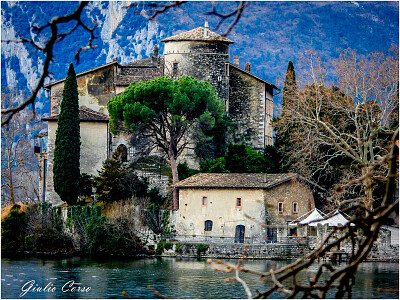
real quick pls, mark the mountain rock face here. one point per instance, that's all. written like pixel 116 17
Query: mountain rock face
pixel 268 35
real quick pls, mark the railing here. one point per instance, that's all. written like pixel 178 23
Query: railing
pixel 293 240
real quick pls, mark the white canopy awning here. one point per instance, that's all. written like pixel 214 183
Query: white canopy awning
pixel 312 217
pixel 336 219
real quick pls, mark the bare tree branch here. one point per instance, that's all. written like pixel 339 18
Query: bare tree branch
pixel 55 37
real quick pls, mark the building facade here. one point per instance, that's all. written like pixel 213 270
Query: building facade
pixel 238 206
pixel 200 53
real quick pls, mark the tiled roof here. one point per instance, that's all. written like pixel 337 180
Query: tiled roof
pixel 197 34
pixel 146 62
pixel 235 180
pixel 251 74
pixel 85 114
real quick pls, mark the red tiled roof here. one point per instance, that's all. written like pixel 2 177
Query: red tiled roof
pixel 85 114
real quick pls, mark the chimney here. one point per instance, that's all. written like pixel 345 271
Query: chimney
pixel 115 59
pixel 236 61
pixel 155 51
pixel 247 68
pixel 206 28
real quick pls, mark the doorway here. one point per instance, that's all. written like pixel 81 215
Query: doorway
pixel 239 234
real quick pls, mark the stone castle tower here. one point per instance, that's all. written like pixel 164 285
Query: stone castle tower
pixel 200 53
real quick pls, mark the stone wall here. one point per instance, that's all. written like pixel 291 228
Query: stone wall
pixel 248 109
pixel 95 89
pixel 288 193
pixel 202 60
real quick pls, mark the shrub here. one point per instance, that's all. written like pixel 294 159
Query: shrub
pixel 168 246
pixel 178 248
pixel 160 247
pixel 201 249
pixel 13 230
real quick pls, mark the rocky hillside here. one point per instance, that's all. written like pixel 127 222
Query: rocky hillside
pixel 268 34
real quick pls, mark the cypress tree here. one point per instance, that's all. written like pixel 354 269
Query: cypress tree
pixel 67 146
pixel 282 126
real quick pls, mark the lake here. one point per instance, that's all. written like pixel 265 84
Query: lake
pixel 172 277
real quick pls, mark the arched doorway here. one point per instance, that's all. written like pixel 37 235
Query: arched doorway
pixel 239 234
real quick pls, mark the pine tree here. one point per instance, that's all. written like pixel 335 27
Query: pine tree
pixel 67 146
pixel 290 92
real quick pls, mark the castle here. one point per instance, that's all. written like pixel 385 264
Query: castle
pixel 200 53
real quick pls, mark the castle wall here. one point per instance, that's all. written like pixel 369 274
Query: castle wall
pixel 249 109
pixel 94 145
pixel 95 89
pixel 202 60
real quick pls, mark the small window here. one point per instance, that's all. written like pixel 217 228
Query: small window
pixel 280 207
pixel 204 201
pixel 175 70
pixel 208 225
pixel 131 151
pixel 238 202
pixel 226 69
pixel 295 208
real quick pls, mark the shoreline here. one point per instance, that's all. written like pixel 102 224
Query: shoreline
pixel 21 254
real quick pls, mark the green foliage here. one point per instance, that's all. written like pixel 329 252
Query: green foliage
pixel 109 182
pixel 178 248
pixel 13 230
pixel 86 183
pixel 175 106
pixel 184 171
pixel 160 247
pixel 214 166
pixel 168 246
pixel 201 249
pixel 67 145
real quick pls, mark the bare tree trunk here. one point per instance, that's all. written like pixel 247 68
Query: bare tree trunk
pixel 368 189
pixel 175 178
pixel 11 184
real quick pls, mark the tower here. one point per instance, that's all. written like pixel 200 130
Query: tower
pixel 202 54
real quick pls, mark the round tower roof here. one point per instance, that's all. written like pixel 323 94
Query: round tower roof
pixel 197 34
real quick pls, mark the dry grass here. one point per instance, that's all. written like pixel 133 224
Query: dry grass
pixel 6 210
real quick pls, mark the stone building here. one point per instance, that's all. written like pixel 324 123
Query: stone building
pixel 200 53
pixel 231 205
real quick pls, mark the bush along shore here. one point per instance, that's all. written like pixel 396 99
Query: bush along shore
pixel 124 228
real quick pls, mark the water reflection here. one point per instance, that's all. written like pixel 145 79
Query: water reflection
pixel 177 278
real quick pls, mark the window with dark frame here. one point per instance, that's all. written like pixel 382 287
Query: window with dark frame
pixel 280 207
pixel 295 207
pixel 175 69
pixel 238 202
pixel 204 201
pixel 208 225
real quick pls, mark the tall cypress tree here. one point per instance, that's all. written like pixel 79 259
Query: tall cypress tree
pixel 282 127
pixel 67 146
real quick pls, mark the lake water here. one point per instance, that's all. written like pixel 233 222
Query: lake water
pixel 176 278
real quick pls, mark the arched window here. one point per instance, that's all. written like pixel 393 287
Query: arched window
pixel 208 225
pixel 122 152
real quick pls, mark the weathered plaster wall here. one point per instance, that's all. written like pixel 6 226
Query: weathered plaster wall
pixel 249 109
pixel 202 60
pixel 95 89
pixel 221 209
pixel 93 153
pixel 288 193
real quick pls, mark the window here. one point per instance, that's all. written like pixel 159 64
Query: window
pixel 295 207
pixel 238 202
pixel 280 207
pixel 208 225
pixel 226 69
pixel 175 70
pixel 204 201
pixel 131 151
